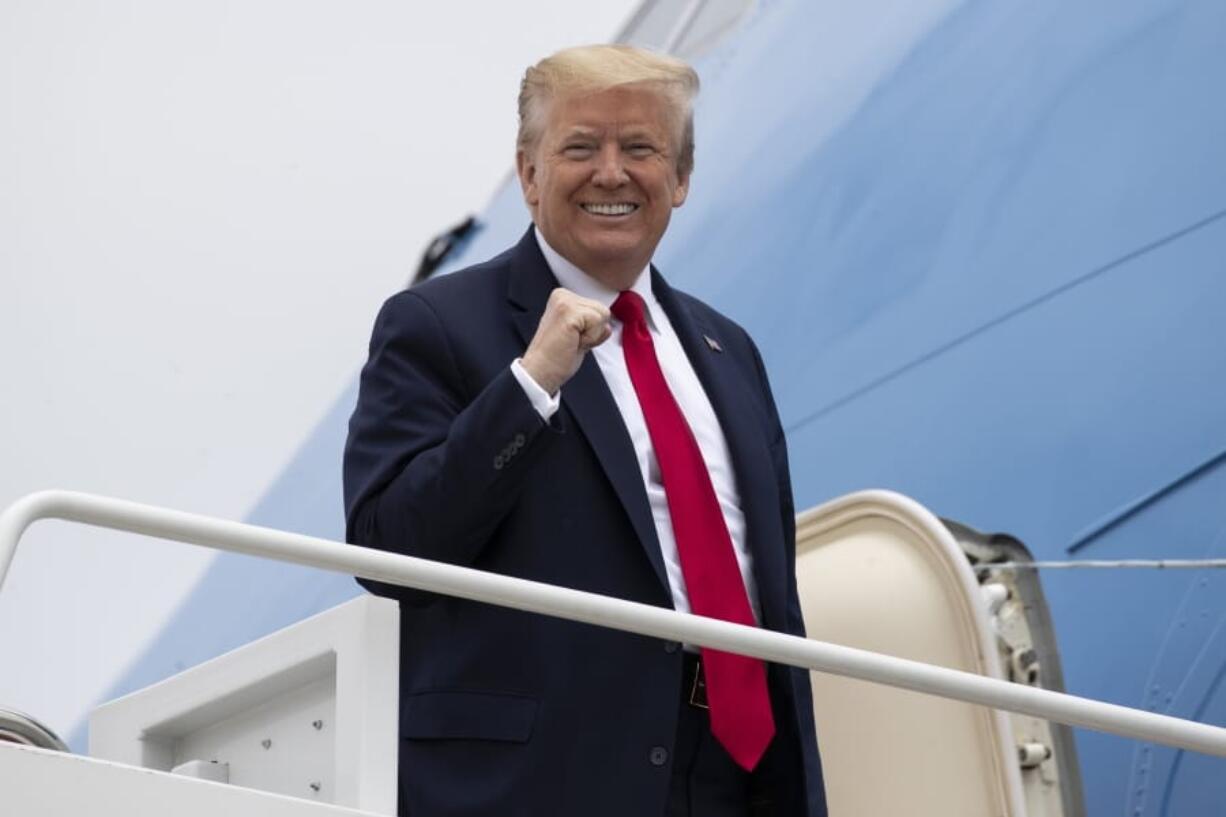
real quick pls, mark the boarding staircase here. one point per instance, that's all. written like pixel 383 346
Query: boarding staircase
pixel 896 602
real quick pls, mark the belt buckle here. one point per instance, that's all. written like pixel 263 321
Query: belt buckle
pixel 698 689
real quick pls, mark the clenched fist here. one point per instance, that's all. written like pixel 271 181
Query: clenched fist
pixel 570 327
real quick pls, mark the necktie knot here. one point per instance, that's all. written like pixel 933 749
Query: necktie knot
pixel 628 308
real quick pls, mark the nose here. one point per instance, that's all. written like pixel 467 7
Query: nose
pixel 610 171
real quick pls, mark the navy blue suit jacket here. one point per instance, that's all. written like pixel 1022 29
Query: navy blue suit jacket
pixel 509 713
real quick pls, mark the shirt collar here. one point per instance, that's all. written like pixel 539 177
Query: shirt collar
pixel 580 283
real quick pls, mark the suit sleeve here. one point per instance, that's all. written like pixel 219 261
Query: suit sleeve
pixel 432 463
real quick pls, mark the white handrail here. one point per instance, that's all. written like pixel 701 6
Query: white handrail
pixel 591 608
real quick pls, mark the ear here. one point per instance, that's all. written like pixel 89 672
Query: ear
pixel 525 168
pixel 681 190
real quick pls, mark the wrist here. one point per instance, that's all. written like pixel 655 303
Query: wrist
pixel 540 374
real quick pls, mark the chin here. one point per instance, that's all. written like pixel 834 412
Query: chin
pixel 613 249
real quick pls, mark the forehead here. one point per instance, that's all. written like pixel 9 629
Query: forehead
pixel 621 108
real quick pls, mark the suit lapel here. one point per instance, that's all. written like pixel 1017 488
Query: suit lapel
pixel 728 392
pixel 588 400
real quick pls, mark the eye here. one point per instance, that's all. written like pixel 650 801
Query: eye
pixel 577 150
pixel 641 149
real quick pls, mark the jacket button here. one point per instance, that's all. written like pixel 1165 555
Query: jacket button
pixel 658 756
pixel 671 647
pixel 499 461
pixel 520 440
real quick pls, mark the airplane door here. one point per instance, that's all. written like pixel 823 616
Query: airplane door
pixel 879 572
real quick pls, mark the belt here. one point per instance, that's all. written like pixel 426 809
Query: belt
pixel 693 682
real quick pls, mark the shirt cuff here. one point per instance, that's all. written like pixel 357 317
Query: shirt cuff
pixel 545 405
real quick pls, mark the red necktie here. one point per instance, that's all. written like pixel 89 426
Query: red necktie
pixel 736 685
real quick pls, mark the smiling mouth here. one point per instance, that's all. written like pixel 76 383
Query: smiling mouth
pixel 619 209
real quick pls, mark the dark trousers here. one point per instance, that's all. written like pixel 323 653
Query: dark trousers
pixel 706 781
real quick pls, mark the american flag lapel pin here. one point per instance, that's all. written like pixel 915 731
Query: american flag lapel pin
pixel 712 343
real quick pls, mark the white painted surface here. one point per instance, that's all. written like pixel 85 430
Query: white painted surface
pixel 201 206
pixel 213 770
pixel 41 783
pixel 309 711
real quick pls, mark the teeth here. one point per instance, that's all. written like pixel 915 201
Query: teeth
pixel 610 209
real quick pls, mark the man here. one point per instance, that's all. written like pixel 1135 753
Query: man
pixel 559 413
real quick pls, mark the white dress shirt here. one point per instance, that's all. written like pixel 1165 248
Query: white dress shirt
pixel 690 396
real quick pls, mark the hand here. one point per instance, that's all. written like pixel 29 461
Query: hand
pixel 570 327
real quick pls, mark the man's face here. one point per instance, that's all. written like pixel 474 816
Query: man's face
pixel 602 180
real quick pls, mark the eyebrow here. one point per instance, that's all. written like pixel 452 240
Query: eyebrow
pixel 637 131
pixel 580 132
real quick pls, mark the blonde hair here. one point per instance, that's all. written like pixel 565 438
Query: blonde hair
pixel 593 68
